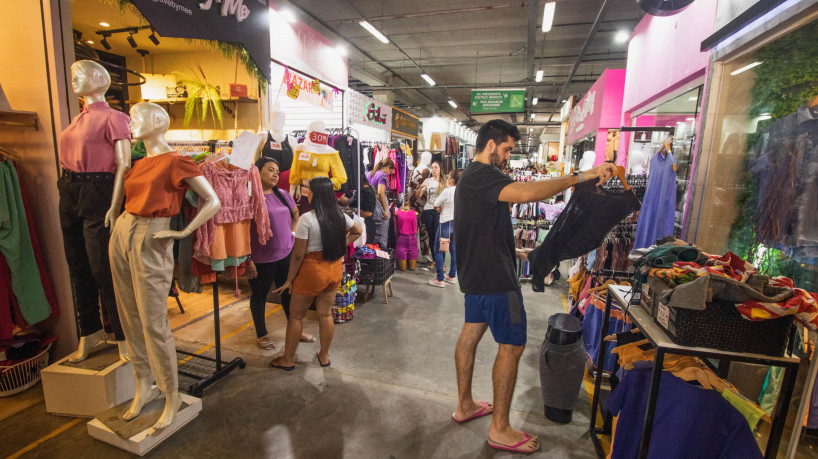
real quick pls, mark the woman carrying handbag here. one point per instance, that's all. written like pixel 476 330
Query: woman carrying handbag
pixel 444 242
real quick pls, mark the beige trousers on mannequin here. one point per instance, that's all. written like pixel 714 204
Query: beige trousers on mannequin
pixel 142 269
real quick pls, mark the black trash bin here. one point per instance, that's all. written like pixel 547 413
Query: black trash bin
pixel 562 365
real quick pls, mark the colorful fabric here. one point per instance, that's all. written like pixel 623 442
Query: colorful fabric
pixel 803 304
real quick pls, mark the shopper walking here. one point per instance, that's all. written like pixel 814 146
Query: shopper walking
pixel 379 180
pixel 321 239
pixel 271 262
pixel 485 262
pixel 445 202
pixel 368 201
pixel 432 188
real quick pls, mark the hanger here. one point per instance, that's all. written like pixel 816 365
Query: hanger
pixel 620 173
pixel 9 153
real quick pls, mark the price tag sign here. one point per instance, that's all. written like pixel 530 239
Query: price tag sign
pixel 304 156
pixel 293 92
pixel 663 315
pixel 316 86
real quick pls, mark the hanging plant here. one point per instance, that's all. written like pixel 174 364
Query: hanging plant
pixel 202 97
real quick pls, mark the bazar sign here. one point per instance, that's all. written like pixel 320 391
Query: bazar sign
pixel 240 21
pixel 298 46
pixel 404 123
pixel 305 89
pixel 367 111
pixel 497 100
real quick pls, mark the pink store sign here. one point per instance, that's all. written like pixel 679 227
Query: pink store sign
pixel 300 47
pixel 600 108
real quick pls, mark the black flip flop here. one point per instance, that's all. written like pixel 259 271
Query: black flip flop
pixel 290 368
pixel 329 362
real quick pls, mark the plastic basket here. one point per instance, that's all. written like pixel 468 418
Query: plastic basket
pixel 375 271
pixel 20 376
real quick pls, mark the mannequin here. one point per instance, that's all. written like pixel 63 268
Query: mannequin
pixel 587 161
pixel 406 250
pixel 314 158
pixel 142 260
pixel 277 146
pixel 638 160
pixel 95 155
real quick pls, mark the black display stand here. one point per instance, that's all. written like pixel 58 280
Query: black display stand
pixel 664 345
pixel 206 370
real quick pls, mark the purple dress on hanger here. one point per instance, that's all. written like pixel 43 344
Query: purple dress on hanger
pixel 659 204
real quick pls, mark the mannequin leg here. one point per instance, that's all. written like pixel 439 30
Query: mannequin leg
pixel 87 344
pixel 402 265
pixel 412 264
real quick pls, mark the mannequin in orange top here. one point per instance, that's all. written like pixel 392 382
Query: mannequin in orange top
pixel 141 255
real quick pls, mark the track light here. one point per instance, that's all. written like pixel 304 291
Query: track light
pixel 131 41
pixel 538 77
pixel 548 16
pixel 371 29
pixel 452 103
pixel 104 42
pixel 152 37
pixel 143 52
pixel 428 79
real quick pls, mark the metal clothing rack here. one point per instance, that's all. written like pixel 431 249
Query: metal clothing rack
pixel 664 345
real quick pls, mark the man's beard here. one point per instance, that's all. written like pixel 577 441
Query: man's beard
pixel 496 161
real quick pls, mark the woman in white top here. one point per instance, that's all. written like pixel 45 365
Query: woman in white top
pixel 445 202
pixel 321 239
pixel 432 188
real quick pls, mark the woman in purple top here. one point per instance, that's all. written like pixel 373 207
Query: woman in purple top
pixel 379 180
pixel 271 262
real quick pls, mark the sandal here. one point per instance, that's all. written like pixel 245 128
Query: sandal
pixel 517 447
pixel 281 367
pixel 308 339
pixel 266 343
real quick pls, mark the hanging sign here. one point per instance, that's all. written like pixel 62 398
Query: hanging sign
pixel 404 124
pixel 299 87
pixel 497 100
pixel 239 21
pixel 367 111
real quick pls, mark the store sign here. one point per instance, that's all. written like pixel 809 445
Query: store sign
pixel 299 46
pixel 497 100
pixel 581 112
pixel 565 110
pixel 404 123
pixel 369 112
pixel 300 87
pixel 240 21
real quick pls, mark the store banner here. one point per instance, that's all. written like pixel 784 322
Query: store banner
pixel 405 124
pixel 298 46
pixel 601 108
pixel 497 100
pixel 300 87
pixel 240 21
pixel 367 111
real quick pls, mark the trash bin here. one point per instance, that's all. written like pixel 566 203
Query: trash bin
pixel 562 365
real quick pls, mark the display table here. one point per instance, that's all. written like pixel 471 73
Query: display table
pixel 664 345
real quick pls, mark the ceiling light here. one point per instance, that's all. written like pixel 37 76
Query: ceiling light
pixel 341 49
pixel 548 16
pixel 104 24
pixel 377 33
pixel 538 77
pixel 152 37
pixel 452 103
pixel 428 79
pixel 131 41
pixel 692 99
pixel 104 43
pixel 534 101
pixel 622 36
pixel 745 68
pixel 90 42
pixel 289 16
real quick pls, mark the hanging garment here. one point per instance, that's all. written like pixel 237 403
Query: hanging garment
pixel 347 147
pixel 689 421
pixel 592 321
pixel 242 199
pixel 659 204
pixel 282 152
pixel 580 228
pixel 308 165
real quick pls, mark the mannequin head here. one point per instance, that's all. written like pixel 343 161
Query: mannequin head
pixel 148 120
pixel 587 160
pixel 89 78
pixel 276 118
pixel 425 159
pixel 638 160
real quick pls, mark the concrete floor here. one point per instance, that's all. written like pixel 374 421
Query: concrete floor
pixel 389 393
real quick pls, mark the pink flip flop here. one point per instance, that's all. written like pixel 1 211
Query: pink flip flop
pixel 515 448
pixel 486 410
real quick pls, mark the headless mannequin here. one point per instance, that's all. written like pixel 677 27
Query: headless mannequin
pixel 587 161
pixel 149 122
pixel 277 124
pixel 91 81
pixel 423 164
pixel 411 264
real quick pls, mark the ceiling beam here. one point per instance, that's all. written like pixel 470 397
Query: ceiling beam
pixel 392 17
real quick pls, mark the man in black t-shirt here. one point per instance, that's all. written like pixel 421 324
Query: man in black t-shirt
pixel 485 267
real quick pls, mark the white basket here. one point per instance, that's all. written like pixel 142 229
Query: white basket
pixel 20 376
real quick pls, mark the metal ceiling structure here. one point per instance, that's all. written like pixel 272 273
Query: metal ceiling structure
pixel 470 44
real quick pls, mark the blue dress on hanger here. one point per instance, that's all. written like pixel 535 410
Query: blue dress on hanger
pixel 659 204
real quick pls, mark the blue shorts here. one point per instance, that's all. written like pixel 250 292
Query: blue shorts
pixel 504 313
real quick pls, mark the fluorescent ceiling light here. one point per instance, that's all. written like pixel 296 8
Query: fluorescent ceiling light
pixel 534 101
pixel 538 77
pixel 289 16
pixel 377 33
pixel 452 103
pixel 428 79
pixel 341 49
pixel 548 16
pixel 622 36
pixel 104 24
pixel 90 42
pixel 745 68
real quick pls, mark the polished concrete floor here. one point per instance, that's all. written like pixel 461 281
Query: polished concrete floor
pixel 390 392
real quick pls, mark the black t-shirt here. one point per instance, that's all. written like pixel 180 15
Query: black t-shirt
pixel 367 199
pixel 279 151
pixel 483 236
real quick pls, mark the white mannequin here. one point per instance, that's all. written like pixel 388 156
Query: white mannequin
pixel 149 122
pixel 277 123
pixel 91 81
pixel 639 161
pixel 308 145
pixel 423 164
pixel 587 161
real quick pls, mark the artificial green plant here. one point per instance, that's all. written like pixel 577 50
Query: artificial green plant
pixel 202 97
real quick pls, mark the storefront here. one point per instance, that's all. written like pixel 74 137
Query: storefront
pixel 593 130
pixel 663 95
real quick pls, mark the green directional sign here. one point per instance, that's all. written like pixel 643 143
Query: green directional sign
pixel 497 100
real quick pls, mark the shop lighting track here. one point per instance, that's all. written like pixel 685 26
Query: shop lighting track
pixel 129 30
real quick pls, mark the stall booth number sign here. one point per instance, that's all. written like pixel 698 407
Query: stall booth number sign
pixel 497 100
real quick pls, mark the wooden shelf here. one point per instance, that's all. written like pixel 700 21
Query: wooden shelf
pixel 18 118
pixel 182 100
